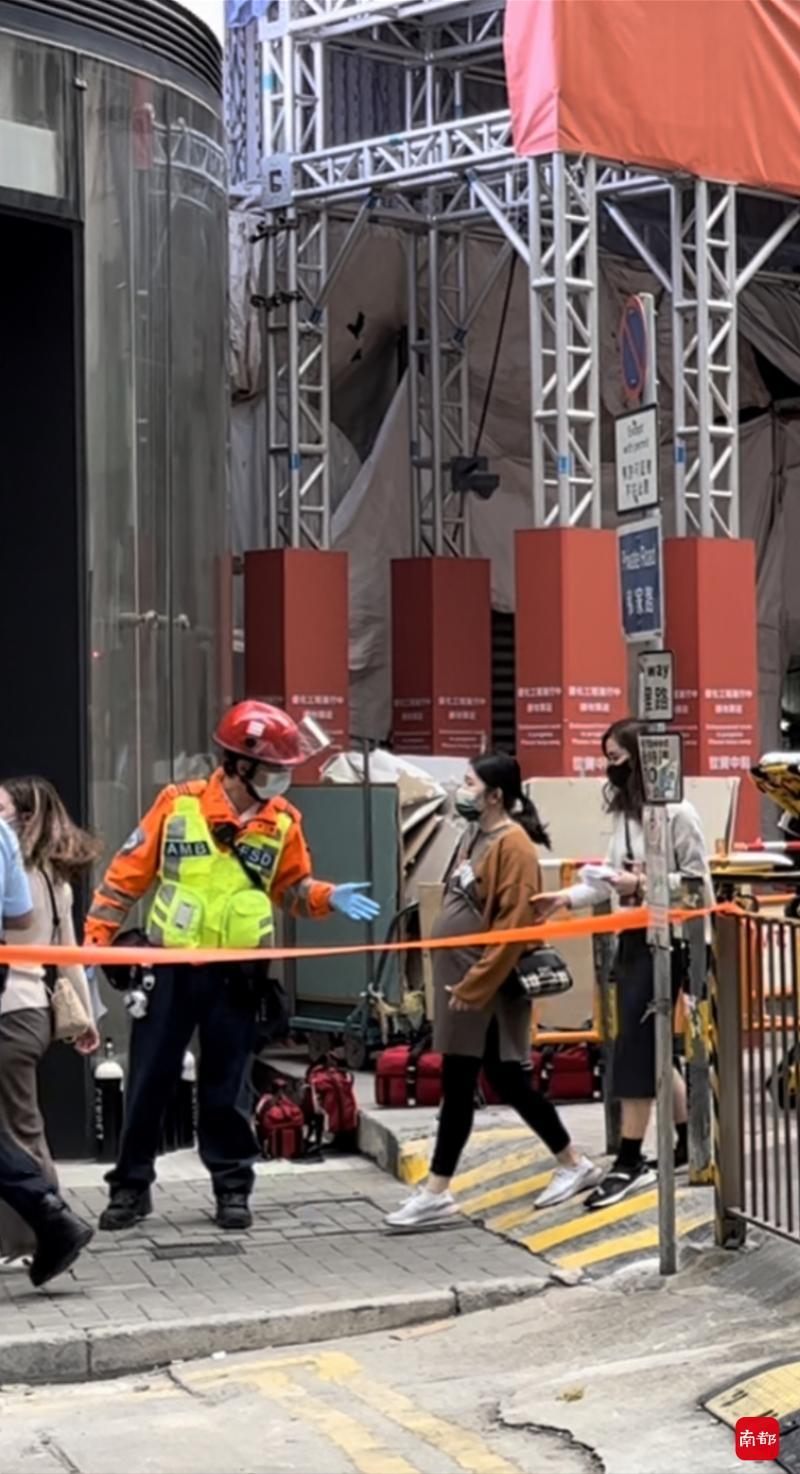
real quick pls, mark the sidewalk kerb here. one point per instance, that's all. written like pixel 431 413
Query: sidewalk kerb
pixel 118 1350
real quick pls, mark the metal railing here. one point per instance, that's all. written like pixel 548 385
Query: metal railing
pixel 756 1076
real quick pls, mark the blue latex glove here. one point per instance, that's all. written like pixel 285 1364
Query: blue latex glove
pixel 349 902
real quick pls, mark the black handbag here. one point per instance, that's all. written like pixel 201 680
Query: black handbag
pixel 542 973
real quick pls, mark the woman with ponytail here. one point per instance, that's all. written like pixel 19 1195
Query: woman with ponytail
pixel 482 1017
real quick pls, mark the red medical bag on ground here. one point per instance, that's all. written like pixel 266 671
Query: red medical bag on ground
pixel 404 1077
pixel 569 1072
pixel 280 1124
pixel 489 1095
pixel 333 1096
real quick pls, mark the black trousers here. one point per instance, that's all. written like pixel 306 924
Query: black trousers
pixel 511 1082
pixel 219 1002
pixel 22 1182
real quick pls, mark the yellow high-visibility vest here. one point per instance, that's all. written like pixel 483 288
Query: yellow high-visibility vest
pixel 204 896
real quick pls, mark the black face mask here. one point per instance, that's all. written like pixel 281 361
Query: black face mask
pixel 619 773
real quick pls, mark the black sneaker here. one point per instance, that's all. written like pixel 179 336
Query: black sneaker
pixel 60 1236
pixel 620 1182
pixel 233 1211
pixel 126 1206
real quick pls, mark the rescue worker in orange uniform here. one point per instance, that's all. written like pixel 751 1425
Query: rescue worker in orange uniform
pixel 220 853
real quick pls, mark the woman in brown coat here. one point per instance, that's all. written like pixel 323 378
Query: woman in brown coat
pixel 482 1017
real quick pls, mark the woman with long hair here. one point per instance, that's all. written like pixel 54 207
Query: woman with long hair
pixel 482 1016
pixel 623 880
pixel 55 853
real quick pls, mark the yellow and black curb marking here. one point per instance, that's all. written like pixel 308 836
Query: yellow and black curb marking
pixel 513 1167
pixel 772 1391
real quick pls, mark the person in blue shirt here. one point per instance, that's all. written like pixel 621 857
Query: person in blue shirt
pixel 60 1235
pixel 16 906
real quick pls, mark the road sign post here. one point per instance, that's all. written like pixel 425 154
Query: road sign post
pixel 656 829
pixel 660 756
pixel 641 590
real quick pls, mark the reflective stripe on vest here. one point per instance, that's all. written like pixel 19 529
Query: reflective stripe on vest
pixel 204 896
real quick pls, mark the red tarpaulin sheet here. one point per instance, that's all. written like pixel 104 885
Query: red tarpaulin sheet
pixel 711 87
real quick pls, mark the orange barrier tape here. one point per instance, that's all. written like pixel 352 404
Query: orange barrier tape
pixel 630 919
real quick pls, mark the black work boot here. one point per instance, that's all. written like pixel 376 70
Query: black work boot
pixel 60 1236
pixel 233 1211
pixel 126 1206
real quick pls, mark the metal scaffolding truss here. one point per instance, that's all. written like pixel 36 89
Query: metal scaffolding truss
pixel 448 176
pixel 295 276
pixel 438 388
pixel 422 156
pixel 332 18
pixel 243 104
pixel 703 234
pixel 189 154
pixel 565 397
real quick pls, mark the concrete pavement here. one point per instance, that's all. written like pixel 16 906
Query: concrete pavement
pixel 317 1263
pixel 608 1377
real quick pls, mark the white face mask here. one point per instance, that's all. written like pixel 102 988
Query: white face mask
pixel 270 785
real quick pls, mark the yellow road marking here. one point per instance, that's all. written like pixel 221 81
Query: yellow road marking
pixel 43 1401
pixel 507 1194
pixel 412 1167
pixel 771 1393
pixel 630 1243
pixel 499 1167
pixel 357 1442
pixel 249 1371
pixel 412 1164
pixel 461 1445
pixel 505 1222
pixel 591 1222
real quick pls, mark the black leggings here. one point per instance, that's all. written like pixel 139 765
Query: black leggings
pixel 513 1085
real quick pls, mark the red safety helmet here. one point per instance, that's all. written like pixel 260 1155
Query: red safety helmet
pixel 264 733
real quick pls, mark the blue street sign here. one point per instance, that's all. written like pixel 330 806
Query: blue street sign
pixel 640 579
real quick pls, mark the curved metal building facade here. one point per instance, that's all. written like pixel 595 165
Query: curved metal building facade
pixel 113 300
pixel 113 235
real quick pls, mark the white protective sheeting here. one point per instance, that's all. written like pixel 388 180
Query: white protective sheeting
pixel 373 524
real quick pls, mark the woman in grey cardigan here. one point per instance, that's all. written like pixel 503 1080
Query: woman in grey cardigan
pixel 622 879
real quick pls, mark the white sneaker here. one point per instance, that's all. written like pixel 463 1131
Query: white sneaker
pixel 567 1182
pixel 423 1209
